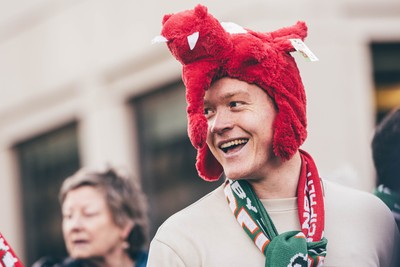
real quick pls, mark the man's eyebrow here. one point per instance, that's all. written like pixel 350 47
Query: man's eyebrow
pixel 235 93
pixel 231 94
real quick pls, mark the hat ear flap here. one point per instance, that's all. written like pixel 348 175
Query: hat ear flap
pixel 207 166
pixel 196 78
pixel 290 127
pixel 197 122
pixel 285 144
pixel 197 129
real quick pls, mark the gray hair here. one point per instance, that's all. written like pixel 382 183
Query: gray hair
pixel 124 198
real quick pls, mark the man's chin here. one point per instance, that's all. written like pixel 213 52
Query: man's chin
pixel 235 175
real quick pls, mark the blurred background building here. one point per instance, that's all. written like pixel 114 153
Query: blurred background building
pixel 81 85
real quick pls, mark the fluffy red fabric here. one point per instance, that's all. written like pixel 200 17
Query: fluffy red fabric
pixel 259 58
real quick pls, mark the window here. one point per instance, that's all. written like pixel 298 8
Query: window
pixel 44 162
pixel 386 67
pixel 168 172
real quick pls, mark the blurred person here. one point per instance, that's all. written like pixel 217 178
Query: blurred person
pixel 247 120
pixel 386 156
pixel 104 221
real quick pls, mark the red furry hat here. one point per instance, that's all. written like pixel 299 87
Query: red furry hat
pixel 209 50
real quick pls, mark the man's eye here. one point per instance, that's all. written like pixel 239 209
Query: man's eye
pixel 207 111
pixel 234 104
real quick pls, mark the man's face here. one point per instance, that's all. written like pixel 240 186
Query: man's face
pixel 240 133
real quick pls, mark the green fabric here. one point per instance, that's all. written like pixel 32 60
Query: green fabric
pixel 287 249
pixel 292 249
pixel 391 199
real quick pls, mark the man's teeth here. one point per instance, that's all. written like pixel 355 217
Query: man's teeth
pixel 233 143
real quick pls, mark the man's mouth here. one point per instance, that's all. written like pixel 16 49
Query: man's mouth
pixel 233 144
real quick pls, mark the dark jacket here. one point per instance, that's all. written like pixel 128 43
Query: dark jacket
pixel 141 261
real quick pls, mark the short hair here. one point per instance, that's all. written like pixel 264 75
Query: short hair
pixel 386 150
pixel 124 198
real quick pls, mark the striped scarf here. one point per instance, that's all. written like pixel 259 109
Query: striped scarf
pixel 294 248
pixel 8 258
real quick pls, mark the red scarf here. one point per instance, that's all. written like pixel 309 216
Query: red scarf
pixel 8 258
pixel 310 200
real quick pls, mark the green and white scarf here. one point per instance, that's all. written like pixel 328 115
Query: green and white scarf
pixel 294 248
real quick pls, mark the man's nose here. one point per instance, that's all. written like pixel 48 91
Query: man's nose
pixel 221 121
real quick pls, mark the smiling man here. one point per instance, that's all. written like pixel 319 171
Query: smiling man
pixel 240 120
pixel 247 120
